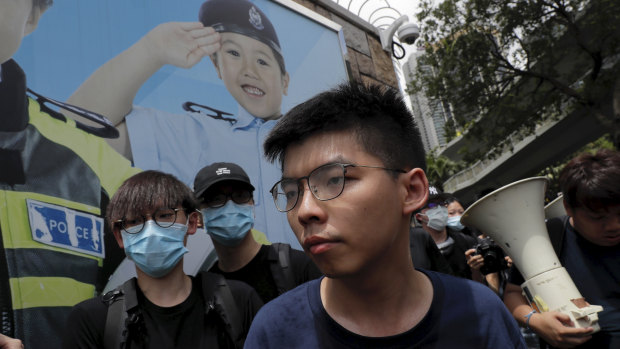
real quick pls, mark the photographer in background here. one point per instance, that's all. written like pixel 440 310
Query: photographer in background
pixel 492 262
pixel 486 256
pixel 451 243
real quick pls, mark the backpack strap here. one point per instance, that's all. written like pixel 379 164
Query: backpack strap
pixel 218 296
pixel 120 302
pixel 556 228
pixel 281 269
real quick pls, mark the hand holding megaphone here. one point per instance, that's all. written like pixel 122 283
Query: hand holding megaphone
pixel 514 217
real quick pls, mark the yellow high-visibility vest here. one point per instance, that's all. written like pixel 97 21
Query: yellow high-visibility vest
pixel 70 174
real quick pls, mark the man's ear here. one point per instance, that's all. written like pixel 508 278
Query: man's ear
pixel 285 80
pixel 192 223
pixel 570 212
pixel 567 208
pixel 118 236
pixel 213 58
pixel 416 190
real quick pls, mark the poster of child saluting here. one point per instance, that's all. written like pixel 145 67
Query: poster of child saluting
pixel 188 83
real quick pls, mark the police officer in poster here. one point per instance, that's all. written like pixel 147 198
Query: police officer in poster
pixel 54 185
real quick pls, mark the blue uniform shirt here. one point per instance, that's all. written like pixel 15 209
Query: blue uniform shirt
pixel 182 144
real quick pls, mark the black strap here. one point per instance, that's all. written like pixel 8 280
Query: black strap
pixel 120 301
pixel 281 269
pixel 217 296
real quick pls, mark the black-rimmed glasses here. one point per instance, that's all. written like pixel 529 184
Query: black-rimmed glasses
pixel 326 182
pixel 164 217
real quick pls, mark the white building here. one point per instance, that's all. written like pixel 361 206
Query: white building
pixel 430 115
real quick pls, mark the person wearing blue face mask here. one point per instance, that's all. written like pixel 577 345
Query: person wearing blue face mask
pixel 151 215
pixel 226 201
pixel 455 211
pixel 452 243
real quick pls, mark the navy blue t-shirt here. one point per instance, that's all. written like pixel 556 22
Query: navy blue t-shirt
pixel 595 270
pixel 463 314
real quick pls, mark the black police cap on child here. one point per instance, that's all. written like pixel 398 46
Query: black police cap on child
pixel 241 17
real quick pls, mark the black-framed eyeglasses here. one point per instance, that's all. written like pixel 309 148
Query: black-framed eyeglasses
pixel 164 217
pixel 326 182
pixel 238 196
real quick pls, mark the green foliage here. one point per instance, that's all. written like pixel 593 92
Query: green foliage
pixel 439 169
pixel 449 129
pixel 511 64
pixel 552 172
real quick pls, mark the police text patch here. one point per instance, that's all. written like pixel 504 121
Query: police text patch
pixel 66 228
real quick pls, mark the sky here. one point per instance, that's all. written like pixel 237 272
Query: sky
pixel 380 13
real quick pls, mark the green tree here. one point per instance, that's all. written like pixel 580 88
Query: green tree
pixel 511 64
pixel 552 172
pixel 439 169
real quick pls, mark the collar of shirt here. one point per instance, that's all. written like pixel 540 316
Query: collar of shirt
pixel 246 121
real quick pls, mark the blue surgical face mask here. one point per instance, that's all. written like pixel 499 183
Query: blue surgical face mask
pixel 156 250
pixel 229 224
pixel 454 222
pixel 437 217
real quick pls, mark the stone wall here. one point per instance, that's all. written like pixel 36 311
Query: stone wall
pixel 366 61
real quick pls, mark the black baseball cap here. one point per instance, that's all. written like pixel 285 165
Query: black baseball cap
pixel 241 17
pixel 218 172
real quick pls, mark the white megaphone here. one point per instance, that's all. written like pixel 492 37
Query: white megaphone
pixel 555 208
pixel 514 217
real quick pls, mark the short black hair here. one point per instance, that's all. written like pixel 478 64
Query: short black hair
pixel 377 116
pixel 591 180
pixel 147 191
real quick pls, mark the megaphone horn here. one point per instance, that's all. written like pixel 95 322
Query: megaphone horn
pixel 555 208
pixel 514 217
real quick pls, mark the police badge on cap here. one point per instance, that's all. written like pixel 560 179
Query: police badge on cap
pixel 255 19
pixel 241 17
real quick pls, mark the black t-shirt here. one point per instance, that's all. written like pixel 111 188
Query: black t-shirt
pixel 182 326
pixel 178 326
pixel 424 252
pixel 257 273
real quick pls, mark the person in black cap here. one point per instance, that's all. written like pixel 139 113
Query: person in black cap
pixel 224 191
pixel 245 50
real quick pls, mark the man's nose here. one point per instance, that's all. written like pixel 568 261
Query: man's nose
pixel 309 208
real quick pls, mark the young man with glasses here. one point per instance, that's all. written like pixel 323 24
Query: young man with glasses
pixel 151 215
pixel 352 175
pixel 227 206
